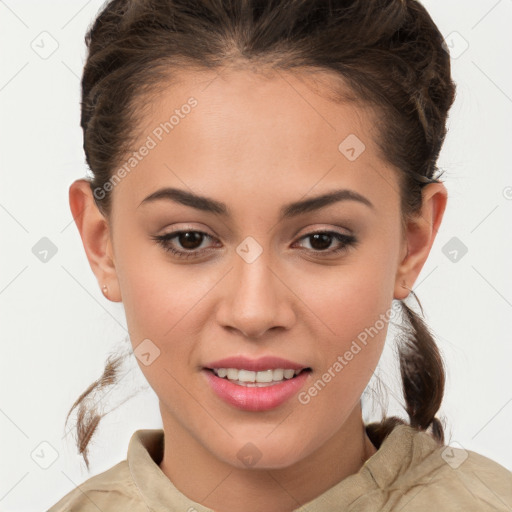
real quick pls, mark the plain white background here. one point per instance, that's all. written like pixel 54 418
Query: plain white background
pixel 57 328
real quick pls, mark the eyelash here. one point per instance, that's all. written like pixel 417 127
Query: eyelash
pixel 347 241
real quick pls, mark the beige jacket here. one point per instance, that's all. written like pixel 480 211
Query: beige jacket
pixel 409 472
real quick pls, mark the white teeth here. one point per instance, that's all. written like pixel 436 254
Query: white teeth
pixel 246 376
pixel 259 379
pixel 265 376
pixel 277 374
pixel 288 374
pixel 232 373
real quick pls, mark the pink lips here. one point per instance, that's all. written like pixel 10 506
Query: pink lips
pixel 256 365
pixel 255 398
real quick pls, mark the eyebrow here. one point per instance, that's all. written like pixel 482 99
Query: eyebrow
pixel 290 210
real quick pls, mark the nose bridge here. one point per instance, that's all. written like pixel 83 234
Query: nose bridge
pixel 254 278
pixel 257 301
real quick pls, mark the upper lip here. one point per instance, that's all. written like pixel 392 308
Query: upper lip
pixel 256 365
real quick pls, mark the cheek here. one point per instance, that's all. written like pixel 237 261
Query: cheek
pixel 352 306
pixel 165 304
pixel 350 297
pixel 357 317
pixel 156 293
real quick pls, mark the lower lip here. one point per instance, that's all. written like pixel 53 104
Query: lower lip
pixel 255 398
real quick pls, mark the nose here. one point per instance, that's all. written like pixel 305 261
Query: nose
pixel 255 299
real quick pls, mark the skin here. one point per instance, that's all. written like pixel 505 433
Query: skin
pixel 256 143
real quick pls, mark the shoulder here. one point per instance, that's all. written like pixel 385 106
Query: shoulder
pixel 113 489
pixel 456 479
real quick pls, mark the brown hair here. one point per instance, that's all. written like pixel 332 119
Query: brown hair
pixel 391 55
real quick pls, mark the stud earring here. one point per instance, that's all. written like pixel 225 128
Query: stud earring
pixel 105 290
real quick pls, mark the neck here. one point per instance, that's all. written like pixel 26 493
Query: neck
pixel 204 478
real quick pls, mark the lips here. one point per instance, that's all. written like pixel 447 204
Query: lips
pixel 256 396
pixel 256 365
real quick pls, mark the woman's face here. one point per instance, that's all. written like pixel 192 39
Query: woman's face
pixel 257 284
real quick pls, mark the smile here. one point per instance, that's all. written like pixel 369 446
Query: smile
pixel 245 391
pixel 251 378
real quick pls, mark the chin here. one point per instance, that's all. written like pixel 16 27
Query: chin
pixel 253 452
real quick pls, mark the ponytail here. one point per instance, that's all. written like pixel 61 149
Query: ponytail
pixel 90 405
pixel 423 380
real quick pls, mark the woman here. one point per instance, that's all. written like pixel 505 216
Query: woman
pixel 263 197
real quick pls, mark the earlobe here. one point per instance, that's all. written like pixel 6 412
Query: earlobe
pixel 95 234
pixel 421 231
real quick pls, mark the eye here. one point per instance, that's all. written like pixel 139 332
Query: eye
pixel 191 241
pixel 188 239
pixel 320 242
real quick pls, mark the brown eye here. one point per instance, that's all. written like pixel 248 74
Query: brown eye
pixel 184 244
pixel 189 239
pixel 320 242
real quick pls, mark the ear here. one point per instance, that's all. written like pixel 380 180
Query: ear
pixel 420 233
pixel 96 236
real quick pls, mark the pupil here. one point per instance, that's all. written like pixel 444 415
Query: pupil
pixel 188 239
pixel 322 237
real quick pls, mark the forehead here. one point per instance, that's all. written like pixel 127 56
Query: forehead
pixel 257 134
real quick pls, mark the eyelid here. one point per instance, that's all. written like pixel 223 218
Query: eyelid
pixel 173 228
pixel 322 228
